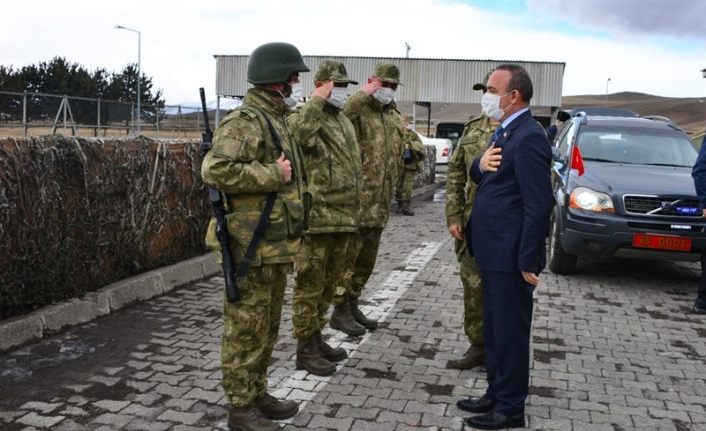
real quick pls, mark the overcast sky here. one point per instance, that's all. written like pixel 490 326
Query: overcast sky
pixel 649 46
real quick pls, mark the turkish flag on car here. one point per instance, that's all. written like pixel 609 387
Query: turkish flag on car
pixel 577 160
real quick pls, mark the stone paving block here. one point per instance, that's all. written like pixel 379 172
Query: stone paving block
pixel 180 417
pixel 143 425
pixel 200 394
pixel 40 406
pixel 324 422
pixel 112 406
pixel 406 418
pixel 40 421
pixel 113 420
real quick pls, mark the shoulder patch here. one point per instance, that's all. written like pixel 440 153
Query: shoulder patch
pixel 248 113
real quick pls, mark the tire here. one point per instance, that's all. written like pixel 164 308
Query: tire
pixel 560 262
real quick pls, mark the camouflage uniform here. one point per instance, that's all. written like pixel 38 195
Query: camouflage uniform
pixel 460 192
pixel 332 161
pixel 380 131
pixel 405 181
pixel 242 164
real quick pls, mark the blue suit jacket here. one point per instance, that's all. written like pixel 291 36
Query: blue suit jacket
pixel 511 210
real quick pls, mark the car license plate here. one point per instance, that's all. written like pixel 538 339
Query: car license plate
pixel 662 242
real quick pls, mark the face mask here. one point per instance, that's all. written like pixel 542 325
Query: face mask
pixel 295 94
pixel 384 95
pixel 490 104
pixel 338 97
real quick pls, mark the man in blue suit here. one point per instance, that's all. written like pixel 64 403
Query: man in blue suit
pixel 507 229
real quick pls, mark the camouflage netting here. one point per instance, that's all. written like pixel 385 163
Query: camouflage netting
pixel 77 214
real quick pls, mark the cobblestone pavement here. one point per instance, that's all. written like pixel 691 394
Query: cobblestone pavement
pixel 614 348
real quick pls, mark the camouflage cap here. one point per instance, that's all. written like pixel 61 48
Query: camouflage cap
pixel 332 70
pixel 388 72
pixel 482 86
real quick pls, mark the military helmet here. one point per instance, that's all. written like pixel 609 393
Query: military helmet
pixel 388 72
pixel 274 62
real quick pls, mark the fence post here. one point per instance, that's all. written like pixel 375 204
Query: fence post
pixel 24 112
pixel 132 116
pixel 65 101
pixel 156 110
pixel 98 131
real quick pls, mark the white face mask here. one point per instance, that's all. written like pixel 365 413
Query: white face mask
pixel 338 97
pixel 384 95
pixel 490 104
pixel 296 95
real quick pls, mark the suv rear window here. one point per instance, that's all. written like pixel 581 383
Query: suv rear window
pixel 633 145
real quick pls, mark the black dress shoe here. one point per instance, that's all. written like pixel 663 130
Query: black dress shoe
pixel 483 404
pixel 496 421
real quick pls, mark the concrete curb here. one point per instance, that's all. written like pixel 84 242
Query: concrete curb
pixel 428 190
pixel 53 318
pixel 21 330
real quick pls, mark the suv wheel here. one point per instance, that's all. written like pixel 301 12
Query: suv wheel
pixel 560 262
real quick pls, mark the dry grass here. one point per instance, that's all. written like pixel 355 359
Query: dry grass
pixel 87 132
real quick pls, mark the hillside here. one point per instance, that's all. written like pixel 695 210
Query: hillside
pixel 687 113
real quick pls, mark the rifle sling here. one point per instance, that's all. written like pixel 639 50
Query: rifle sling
pixel 264 222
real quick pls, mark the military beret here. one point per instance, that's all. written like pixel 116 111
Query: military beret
pixel 332 70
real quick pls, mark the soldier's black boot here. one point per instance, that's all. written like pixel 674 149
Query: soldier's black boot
pixel 343 320
pixel 407 209
pixel 399 207
pixel 333 354
pixel 275 409
pixel 474 356
pixel 309 358
pixel 358 315
pixel 249 418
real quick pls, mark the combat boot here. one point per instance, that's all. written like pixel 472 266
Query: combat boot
pixel 333 354
pixel 399 207
pixel 309 358
pixel 358 315
pixel 474 356
pixel 249 418
pixel 343 320
pixel 406 209
pixel 275 409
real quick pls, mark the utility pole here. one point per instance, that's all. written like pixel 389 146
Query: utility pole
pixel 606 92
pixel 139 56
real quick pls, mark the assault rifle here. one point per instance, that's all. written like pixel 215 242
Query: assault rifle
pixel 219 213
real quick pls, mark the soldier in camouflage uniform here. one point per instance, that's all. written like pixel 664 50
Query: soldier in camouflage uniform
pixel 408 169
pixel 247 162
pixel 378 127
pixel 332 162
pixel 460 192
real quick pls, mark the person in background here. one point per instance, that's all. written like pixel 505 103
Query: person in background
pixel 561 118
pixel 698 173
pixel 411 158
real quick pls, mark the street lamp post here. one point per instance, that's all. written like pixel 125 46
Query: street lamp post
pixel 139 54
pixel 606 92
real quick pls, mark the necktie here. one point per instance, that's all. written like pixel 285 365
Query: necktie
pixel 496 135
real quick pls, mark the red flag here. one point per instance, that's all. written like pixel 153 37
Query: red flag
pixel 577 160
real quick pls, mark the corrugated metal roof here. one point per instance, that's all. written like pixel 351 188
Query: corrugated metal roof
pixel 435 80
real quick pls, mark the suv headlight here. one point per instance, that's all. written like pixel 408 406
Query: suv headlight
pixel 586 199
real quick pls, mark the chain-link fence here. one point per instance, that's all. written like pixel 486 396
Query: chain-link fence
pixel 33 114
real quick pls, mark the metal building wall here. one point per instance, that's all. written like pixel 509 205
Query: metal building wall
pixel 423 79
